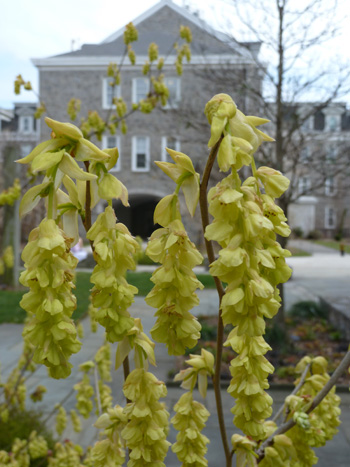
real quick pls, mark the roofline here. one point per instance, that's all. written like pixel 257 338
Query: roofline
pixel 190 17
pixel 93 61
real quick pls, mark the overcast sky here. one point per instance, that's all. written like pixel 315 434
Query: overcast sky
pixel 38 28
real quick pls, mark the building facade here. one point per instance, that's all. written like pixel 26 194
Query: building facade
pixel 179 125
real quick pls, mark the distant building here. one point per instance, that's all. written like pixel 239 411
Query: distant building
pixel 82 74
pixel 321 180
pixel 18 129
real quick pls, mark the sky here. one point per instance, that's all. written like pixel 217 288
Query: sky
pixel 38 29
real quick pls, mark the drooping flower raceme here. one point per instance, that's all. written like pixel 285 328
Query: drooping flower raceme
pixel 175 282
pixel 114 250
pixel 251 261
pixel 147 428
pixel 191 415
pixel 50 301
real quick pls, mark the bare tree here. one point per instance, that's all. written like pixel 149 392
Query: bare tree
pixel 297 82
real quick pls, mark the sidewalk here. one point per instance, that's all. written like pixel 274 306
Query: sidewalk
pixel 334 453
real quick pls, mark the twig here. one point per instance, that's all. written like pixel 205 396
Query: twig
pixel 296 389
pixel 344 364
pixel 220 333
pixel 98 397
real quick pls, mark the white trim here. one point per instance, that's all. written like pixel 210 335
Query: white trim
pixel 30 129
pixel 330 187
pixel 134 167
pixel 327 217
pixel 76 63
pixel 304 184
pixel 134 81
pixel 164 155
pixel 105 85
pixel 105 145
pixel 175 103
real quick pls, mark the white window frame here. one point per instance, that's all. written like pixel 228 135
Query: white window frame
pixel 134 167
pixel 164 155
pixel 330 187
pixel 105 86
pixel 21 125
pixel 327 217
pixel 332 123
pixel 332 153
pixel 304 185
pixel 134 89
pixel 175 104
pixel 106 145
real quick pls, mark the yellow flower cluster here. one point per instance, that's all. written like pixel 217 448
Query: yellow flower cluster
pixel 251 261
pixel 84 391
pixel 324 420
pixel 201 366
pixel 175 284
pixel 147 428
pixel 65 455
pixel 11 194
pixel 114 250
pixel 61 420
pixel 49 275
pixel 244 450
pixel 37 446
pixel 109 451
pixel 189 420
pixel 103 362
pixel 7 259
pixel 75 421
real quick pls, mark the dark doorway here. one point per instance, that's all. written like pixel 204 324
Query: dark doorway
pixel 139 216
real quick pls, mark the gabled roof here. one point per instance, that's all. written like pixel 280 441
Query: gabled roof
pixel 159 24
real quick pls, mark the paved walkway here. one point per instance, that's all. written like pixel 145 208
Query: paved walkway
pixel 323 274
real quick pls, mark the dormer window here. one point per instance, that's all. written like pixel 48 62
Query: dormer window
pixel 332 123
pixel 26 124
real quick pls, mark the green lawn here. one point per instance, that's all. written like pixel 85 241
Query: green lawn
pixel 298 252
pixel 11 312
pixel 332 244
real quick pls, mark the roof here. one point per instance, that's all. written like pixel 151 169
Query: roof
pixel 159 24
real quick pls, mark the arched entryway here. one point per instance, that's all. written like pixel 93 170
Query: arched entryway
pixel 139 216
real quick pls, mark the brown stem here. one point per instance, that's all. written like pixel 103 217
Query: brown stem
pixel 344 364
pixel 126 368
pixel 295 390
pixel 220 334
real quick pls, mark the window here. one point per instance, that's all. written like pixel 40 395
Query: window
pixel 171 143
pixel 26 124
pixel 332 123
pixel 331 153
pixel 109 93
pixel 26 149
pixel 304 185
pixel 305 155
pixel 319 120
pixel 174 86
pixel 330 218
pixel 140 154
pixel 140 89
pixel 330 187
pixel 306 124
pixel 112 141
